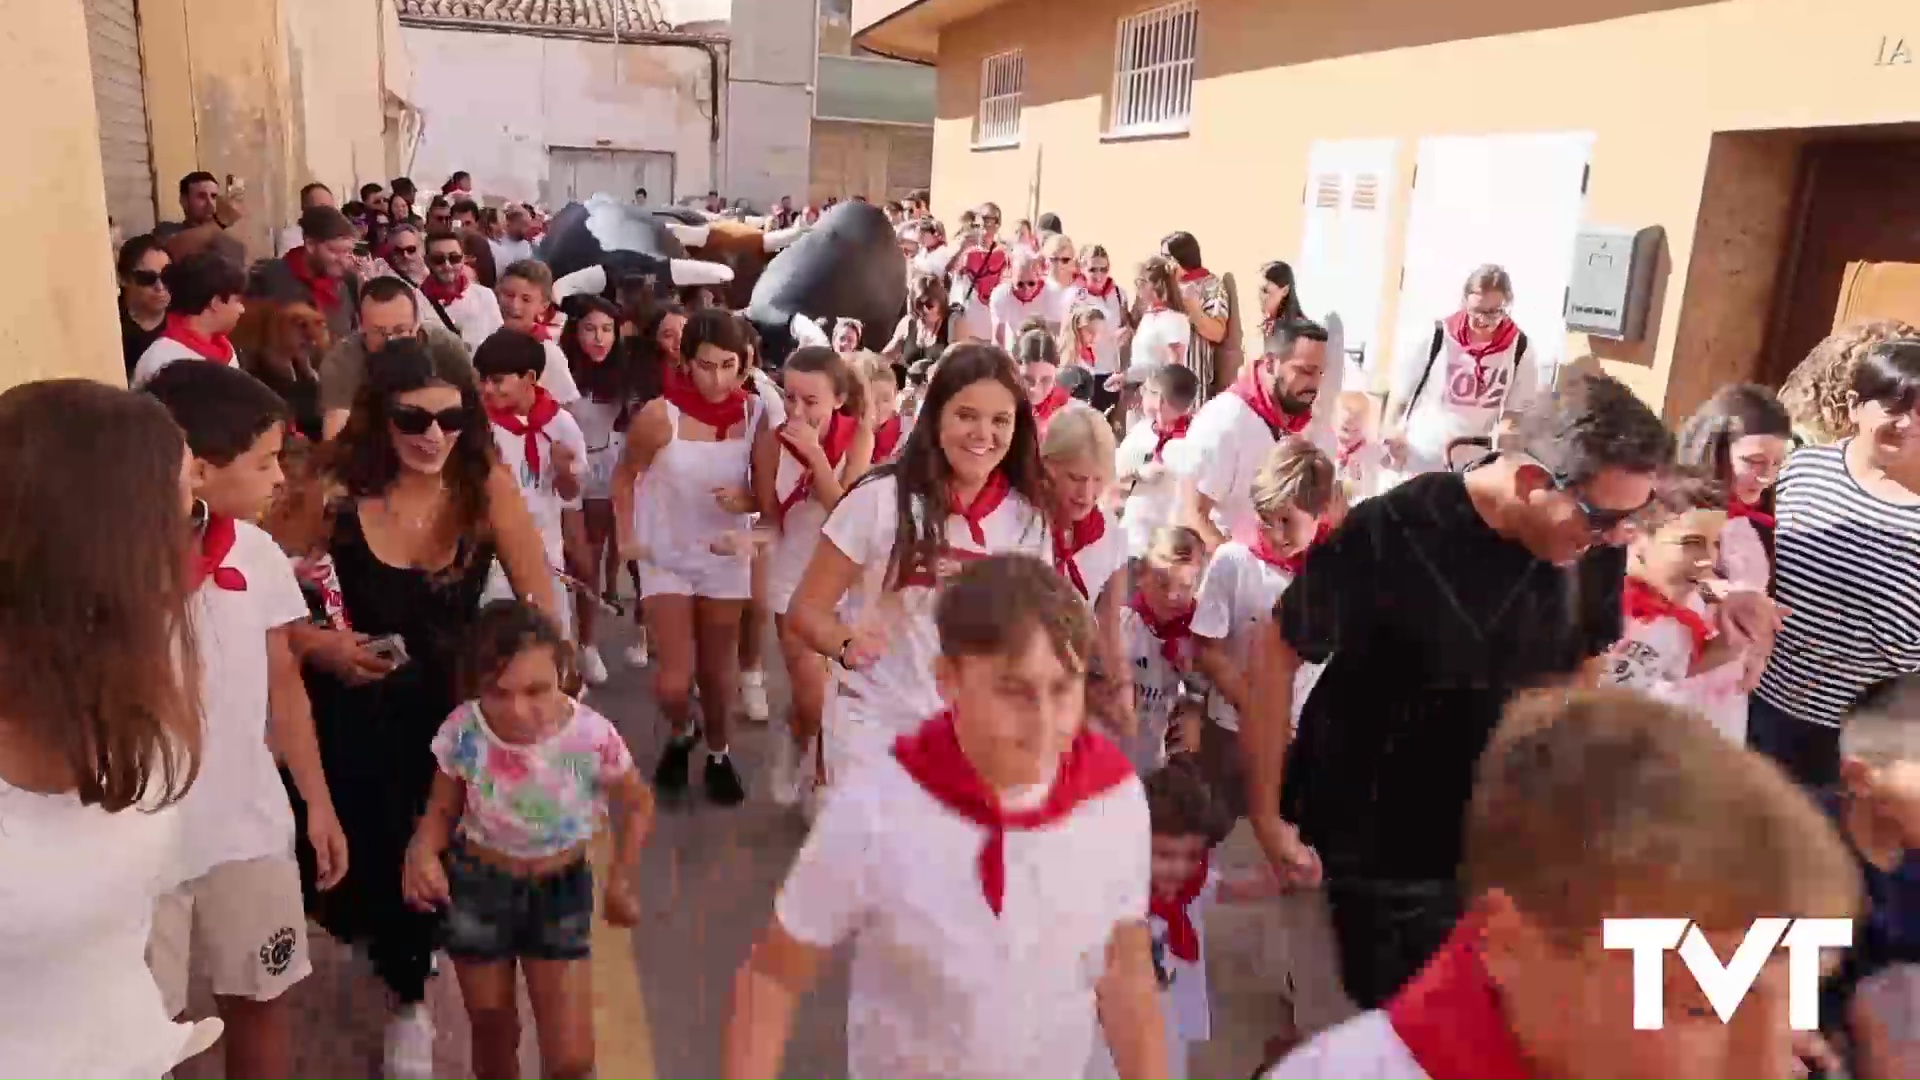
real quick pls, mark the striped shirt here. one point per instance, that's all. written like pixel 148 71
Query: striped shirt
pixel 1847 568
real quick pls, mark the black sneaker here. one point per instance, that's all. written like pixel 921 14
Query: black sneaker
pixel 670 776
pixel 723 781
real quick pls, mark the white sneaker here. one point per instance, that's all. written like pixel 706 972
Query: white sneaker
pixel 409 1053
pixel 637 654
pixel 592 668
pixel 783 780
pixel 753 695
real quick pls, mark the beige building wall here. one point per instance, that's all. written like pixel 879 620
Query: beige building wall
pixel 1653 79
pixel 57 309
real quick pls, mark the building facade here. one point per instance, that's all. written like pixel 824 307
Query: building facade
pixel 1384 147
pixel 872 118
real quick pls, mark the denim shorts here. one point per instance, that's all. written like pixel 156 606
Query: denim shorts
pixel 499 915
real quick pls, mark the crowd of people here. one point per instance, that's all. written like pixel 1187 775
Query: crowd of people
pixel 1067 583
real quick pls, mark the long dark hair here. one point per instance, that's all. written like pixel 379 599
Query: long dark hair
pixel 366 462
pixel 646 362
pixel 920 468
pixel 609 380
pixel 1731 414
pixel 1280 275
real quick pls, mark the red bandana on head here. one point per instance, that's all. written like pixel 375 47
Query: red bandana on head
pixel 325 290
pixel 216 543
pixel 1173 634
pixel 1091 767
pixel 1074 539
pixel 833 441
pixel 886 439
pixel 1503 338
pixel 1183 937
pixel 992 494
pixel 216 348
pixel 1760 518
pixel 442 293
pixel 1450 1018
pixel 1295 562
pixel 678 388
pixel 1166 433
pixel 543 411
pixel 1641 602
pixel 1249 389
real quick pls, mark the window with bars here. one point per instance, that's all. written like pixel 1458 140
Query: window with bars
pixel 1153 70
pixel 1003 78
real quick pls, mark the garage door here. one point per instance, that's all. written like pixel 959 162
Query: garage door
pixel 119 96
pixel 575 175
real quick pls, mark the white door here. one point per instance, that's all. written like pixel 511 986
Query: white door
pixel 120 99
pixel 1515 200
pixel 1343 242
pixel 576 174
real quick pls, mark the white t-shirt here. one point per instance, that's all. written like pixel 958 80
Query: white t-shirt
pixel 1224 450
pixel 1184 1005
pixel 1364 1048
pixel 941 986
pixel 1010 313
pixel 1238 593
pixel 1161 338
pixel 1057 301
pixel 557 377
pixel 543 502
pixel 1462 398
pixel 1156 683
pixel 506 252
pixel 1654 656
pixel 896 692
pixel 596 419
pixel 237 808
pixel 162 352
pixel 1149 504
pixel 475 314
pixel 1100 560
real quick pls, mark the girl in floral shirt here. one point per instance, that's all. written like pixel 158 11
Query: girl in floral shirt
pixel 525 777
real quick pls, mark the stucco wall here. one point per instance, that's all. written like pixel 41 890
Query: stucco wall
pixel 57 310
pixel 494 103
pixel 335 73
pixel 1654 79
pixel 769 103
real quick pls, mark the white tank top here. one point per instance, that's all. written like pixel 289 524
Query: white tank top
pixel 675 514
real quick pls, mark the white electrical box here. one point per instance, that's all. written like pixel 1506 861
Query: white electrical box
pixel 1611 286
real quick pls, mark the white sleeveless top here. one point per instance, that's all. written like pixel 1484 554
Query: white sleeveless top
pixel 675 515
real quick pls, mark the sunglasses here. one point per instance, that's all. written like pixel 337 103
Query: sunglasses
pixel 1064 260
pixel 414 420
pixel 146 279
pixel 408 251
pixel 1601 520
pixel 444 259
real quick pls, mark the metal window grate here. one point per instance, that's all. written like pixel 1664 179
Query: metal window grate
pixel 1003 78
pixel 1153 70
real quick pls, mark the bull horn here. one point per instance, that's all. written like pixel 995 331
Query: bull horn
pixel 695 272
pixel 807 332
pixel 780 238
pixel 591 282
pixel 690 236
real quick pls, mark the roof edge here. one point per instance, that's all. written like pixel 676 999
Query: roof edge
pixel 575 33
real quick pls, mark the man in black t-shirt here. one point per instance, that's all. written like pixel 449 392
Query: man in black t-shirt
pixel 1431 606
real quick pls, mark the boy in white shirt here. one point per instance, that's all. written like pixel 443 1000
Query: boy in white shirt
pixel 525 293
pixel 1156 628
pixel 992 873
pixel 238 914
pixel 540 442
pixel 1167 397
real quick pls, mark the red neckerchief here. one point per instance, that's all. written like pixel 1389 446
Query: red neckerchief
pixel 325 290
pixel 1641 602
pixel 1248 389
pixel 216 543
pixel 985 268
pixel 441 293
pixel 678 388
pixel 1760 518
pixel 1188 277
pixel 1266 326
pixel 1024 293
pixel 886 437
pixel 215 348
pixel 1293 563
pixel 1055 400
pixel 543 328
pixel 538 417
pixel 1183 938
pixel 1074 539
pixel 992 494
pixel 1503 338
pixel 1449 1016
pixel 834 442
pixel 1163 436
pixel 1103 292
pixel 1343 453
pixel 1087 356
pixel 1171 633
pixel 1090 767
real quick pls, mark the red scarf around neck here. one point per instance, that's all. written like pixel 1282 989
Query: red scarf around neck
pixel 1104 291
pixel 1090 767
pixel 1294 563
pixel 1760 518
pixel 1503 338
pixel 1641 602
pixel 1162 435
pixel 1343 453
pixel 325 290
pixel 440 292
pixel 1026 293
pixel 1172 633
pixel 216 543
pixel 834 442
pixel 1249 389
pixel 886 438
pixel 991 495
pixel 1198 273
pixel 678 388
pixel 1450 1018
pixel 1055 400
pixel 543 328
pixel 216 347
pixel 1183 937
pixel 1087 355
pixel 538 417
pixel 1074 539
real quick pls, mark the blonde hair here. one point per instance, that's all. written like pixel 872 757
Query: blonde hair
pixel 1077 432
pixel 1175 545
pixel 1297 475
pixel 871 366
pixel 1815 392
pixel 1163 274
pixel 533 272
pixel 1594 804
pixel 1057 244
pixel 1081 315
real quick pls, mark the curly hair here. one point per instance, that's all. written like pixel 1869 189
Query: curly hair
pixel 1815 392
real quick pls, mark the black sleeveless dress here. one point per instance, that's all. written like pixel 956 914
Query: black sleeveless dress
pixel 376 742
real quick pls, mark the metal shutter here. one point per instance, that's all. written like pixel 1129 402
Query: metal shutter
pixel 120 98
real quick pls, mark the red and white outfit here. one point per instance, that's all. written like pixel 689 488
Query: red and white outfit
pixel 475 311
pixel 1149 504
pixel 871 707
pixel 1161 339
pixel 1660 641
pixel 1010 307
pixel 1744 561
pixel 1179 928
pixel 1159 654
pixel 1229 441
pixel 980 920
pixel 1469 387
pixel 1089 552
pixel 1238 593
pixel 525 444
pixel 888 437
pixel 802 514
pixel 676 517
pixel 1357 465
pixel 974 281
pixel 179 341
pixel 236 913
pixel 1106 342
pixel 1049 407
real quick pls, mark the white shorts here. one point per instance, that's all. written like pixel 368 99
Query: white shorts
pixel 721 577
pixel 242 924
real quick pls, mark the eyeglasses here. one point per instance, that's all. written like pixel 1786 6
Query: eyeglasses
pixel 414 420
pixel 407 251
pixel 146 279
pixel 1064 260
pixel 1486 318
pixel 445 259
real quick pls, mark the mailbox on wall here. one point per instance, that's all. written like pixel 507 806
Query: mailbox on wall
pixel 1611 286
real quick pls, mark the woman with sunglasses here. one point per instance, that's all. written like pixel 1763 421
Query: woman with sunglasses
pixel 923 330
pixel 1469 380
pixel 143 296
pixel 420 511
pixel 1017 301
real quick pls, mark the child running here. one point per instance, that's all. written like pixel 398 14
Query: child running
pixel 991 872
pixel 525 291
pixel 801 470
pixel 526 775
pixel 1167 398
pixel 602 368
pixel 1156 628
